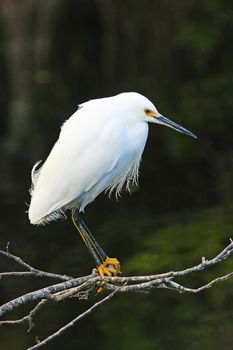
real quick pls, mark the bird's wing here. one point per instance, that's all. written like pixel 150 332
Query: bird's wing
pixel 84 153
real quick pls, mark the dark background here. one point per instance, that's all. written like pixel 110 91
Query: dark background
pixel 55 54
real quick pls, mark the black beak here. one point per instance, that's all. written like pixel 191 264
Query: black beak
pixel 167 122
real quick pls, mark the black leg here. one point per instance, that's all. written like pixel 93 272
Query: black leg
pixel 92 239
pixel 92 245
pixel 106 266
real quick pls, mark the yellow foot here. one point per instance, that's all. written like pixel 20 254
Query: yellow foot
pixel 110 267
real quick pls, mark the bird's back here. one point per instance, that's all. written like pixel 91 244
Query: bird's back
pixel 83 162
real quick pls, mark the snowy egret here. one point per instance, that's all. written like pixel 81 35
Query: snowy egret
pixel 99 148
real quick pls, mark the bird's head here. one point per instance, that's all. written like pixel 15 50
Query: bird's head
pixel 144 110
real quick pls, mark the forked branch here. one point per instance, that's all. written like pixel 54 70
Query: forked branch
pixel 81 287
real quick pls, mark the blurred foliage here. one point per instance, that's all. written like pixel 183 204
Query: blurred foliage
pixel 55 54
pixel 164 319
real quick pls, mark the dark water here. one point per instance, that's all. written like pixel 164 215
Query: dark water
pixel 146 240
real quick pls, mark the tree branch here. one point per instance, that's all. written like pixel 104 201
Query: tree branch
pixel 74 321
pixel 28 318
pixel 81 287
pixel 31 270
pixel 47 293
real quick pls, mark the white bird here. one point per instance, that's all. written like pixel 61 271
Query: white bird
pixel 99 148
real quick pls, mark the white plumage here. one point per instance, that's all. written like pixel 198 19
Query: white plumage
pixel 99 147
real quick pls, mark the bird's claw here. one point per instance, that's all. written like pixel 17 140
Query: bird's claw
pixel 110 268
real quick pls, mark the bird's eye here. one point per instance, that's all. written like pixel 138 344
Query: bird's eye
pixel 150 113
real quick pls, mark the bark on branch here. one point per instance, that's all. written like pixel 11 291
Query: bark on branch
pixel 81 287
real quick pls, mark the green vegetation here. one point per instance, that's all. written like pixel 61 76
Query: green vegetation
pixel 56 54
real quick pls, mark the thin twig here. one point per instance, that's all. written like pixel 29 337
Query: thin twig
pixel 182 289
pixel 28 318
pixel 33 271
pixel 135 283
pixel 224 254
pixel 82 286
pixel 19 274
pixel 46 293
pixel 74 321
pixel 80 291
